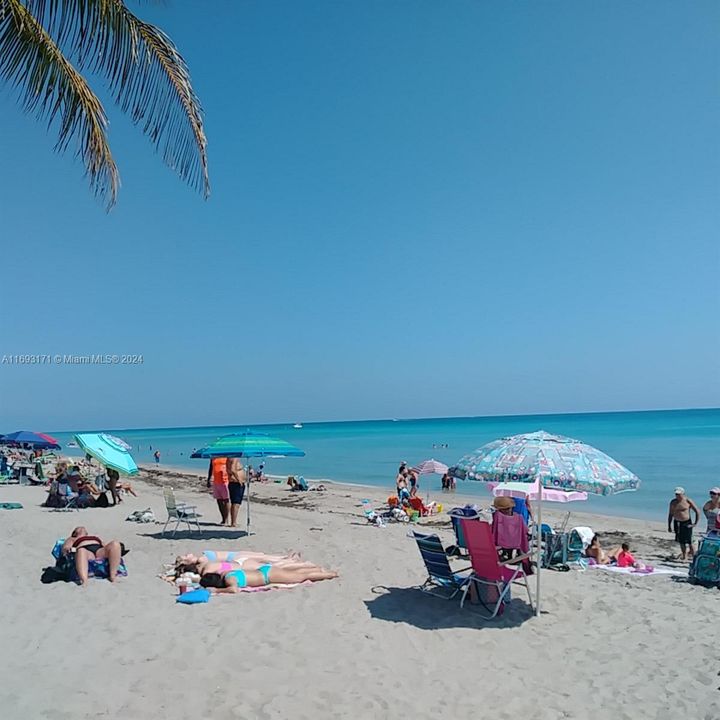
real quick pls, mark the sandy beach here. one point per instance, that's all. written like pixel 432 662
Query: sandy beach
pixel 367 645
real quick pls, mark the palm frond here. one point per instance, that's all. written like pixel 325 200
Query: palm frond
pixel 53 89
pixel 147 75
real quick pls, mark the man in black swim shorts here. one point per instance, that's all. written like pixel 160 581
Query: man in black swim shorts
pixel 680 522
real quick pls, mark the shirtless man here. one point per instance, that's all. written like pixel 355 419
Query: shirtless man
pixel 90 547
pixel 236 487
pixel 679 521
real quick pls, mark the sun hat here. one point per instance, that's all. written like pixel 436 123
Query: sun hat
pixel 715 490
pixel 679 490
pixel 503 503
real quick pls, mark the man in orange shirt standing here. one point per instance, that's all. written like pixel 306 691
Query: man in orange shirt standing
pixel 218 468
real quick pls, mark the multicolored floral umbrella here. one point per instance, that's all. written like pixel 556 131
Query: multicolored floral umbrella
pixel 557 462
pixel 560 463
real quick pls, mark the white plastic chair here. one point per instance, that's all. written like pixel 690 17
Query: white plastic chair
pixel 180 512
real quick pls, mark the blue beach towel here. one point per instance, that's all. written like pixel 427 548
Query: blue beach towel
pixel 201 595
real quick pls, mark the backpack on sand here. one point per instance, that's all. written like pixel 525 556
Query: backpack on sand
pixel 705 567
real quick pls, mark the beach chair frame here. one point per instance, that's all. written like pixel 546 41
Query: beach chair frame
pixel 442 581
pixel 488 571
pixel 180 512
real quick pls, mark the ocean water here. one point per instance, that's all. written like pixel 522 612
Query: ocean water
pixel 664 448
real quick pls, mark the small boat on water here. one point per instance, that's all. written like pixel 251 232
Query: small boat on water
pixel 72 444
pixel 298 426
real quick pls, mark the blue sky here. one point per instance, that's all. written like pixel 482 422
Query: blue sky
pixel 418 209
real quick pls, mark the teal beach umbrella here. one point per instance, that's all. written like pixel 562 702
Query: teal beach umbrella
pixel 248 445
pixel 109 450
pixel 554 462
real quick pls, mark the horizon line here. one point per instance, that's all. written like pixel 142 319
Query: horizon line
pixel 397 419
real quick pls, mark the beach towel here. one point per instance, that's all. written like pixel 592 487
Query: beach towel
pixel 586 534
pixel 640 573
pixel 510 532
pixel 10 506
pixel 65 567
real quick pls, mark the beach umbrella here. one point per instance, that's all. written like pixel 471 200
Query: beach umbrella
pixel 109 450
pixel 531 490
pixel 40 441
pixel 248 445
pixel 430 467
pixel 553 462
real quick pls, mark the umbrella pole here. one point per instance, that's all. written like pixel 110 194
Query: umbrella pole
pixel 538 538
pixel 247 480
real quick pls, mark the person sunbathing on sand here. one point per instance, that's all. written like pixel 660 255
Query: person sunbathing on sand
pixel 600 556
pixel 88 547
pixel 227 577
pixel 241 558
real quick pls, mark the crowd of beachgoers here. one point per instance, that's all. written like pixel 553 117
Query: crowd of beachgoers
pixel 375 595
pixel 80 483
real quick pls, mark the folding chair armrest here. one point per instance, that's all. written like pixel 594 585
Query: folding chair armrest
pixel 518 559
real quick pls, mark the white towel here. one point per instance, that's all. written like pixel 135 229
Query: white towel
pixel 586 534
pixel 635 573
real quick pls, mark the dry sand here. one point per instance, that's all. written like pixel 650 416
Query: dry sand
pixel 367 645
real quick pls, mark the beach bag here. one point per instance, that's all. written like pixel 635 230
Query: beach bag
pixel 102 500
pixel 705 567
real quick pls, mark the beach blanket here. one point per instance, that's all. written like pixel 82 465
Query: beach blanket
pixel 640 573
pixel 275 586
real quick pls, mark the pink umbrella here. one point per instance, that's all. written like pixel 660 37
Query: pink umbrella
pixel 530 490
pixel 430 467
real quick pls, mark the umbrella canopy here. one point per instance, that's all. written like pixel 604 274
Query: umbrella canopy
pixel 530 490
pixel 554 462
pixel 248 444
pixel 430 467
pixel 41 441
pixel 109 450
pixel 560 462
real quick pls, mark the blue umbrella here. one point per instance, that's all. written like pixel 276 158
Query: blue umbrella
pixel 109 450
pixel 248 445
pixel 554 461
pixel 41 441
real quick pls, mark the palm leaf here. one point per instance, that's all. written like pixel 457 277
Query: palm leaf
pixel 52 88
pixel 146 73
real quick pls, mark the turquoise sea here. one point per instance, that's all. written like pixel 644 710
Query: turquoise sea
pixel 664 448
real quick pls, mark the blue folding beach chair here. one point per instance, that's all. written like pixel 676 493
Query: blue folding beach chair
pixel 457 515
pixel 442 581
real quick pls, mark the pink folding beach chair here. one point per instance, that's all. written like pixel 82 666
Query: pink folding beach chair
pixel 491 578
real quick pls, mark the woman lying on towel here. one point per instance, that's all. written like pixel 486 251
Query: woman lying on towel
pixel 249 559
pixel 230 577
pixel 88 547
pixel 601 557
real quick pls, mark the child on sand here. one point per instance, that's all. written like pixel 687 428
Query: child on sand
pixel 624 557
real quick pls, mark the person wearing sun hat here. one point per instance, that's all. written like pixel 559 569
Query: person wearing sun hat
pixel 505 505
pixel 680 522
pixel 509 530
pixel 711 510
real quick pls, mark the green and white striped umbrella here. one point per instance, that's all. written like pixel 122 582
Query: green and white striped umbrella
pixel 248 445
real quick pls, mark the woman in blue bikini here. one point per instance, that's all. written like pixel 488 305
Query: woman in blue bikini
pixel 230 577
